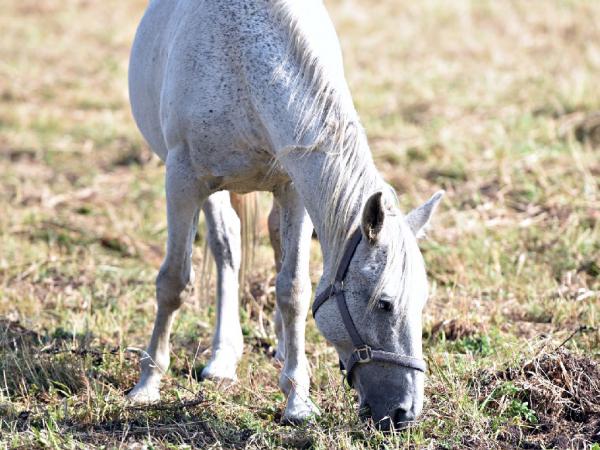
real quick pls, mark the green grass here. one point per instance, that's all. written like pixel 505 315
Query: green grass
pixel 485 99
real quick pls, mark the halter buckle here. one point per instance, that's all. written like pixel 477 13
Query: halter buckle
pixel 363 354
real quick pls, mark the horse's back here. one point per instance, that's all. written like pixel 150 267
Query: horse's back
pixel 202 73
pixel 184 78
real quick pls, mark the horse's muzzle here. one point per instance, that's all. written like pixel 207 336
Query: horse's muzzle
pixel 398 418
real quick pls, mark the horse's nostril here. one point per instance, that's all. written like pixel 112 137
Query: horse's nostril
pixel 402 418
pixel 364 412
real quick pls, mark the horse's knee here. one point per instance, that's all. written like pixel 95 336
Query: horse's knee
pixel 226 248
pixel 274 234
pixel 224 237
pixel 292 293
pixel 169 287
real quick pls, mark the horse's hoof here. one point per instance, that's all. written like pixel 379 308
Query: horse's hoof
pixel 299 412
pixel 144 395
pixel 220 370
pixel 220 380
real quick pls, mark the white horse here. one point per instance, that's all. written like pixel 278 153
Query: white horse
pixel 247 95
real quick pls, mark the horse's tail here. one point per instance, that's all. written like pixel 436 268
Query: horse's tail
pixel 246 207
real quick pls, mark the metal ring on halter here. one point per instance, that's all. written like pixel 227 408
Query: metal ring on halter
pixel 363 354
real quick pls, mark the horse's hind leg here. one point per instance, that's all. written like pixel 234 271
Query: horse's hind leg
pixel 184 197
pixel 225 243
pixel 275 238
pixel 293 297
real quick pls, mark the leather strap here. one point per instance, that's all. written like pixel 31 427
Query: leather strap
pixel 347 319
pixel 341 272
pixel 348 255
pixel 358 356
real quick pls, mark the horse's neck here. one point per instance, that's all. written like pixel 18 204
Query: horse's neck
pixel 334 203
pixel 308 114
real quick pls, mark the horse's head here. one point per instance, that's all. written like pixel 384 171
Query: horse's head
pixel 385 290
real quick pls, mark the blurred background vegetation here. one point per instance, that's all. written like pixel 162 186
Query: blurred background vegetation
pixel 495 101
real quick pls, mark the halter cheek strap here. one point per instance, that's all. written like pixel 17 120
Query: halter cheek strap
pixel 362 352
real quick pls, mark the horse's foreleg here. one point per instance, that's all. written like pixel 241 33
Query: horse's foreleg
pixel 184 197
pixel 225 243
pixel 275 238
pixel 293 297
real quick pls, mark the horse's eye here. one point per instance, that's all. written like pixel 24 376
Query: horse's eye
pixel 384 305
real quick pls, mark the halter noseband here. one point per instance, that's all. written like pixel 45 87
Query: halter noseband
pixel 362 352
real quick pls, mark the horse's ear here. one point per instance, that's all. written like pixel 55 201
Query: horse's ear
pixel 372 217
pixel 419 218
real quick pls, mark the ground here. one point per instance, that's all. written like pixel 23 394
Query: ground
pixel 495 102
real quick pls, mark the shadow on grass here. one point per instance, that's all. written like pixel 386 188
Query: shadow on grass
pixel 58 388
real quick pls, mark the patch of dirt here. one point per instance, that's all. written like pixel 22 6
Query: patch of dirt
pixel 134 156
pixel 588 130
pixel 526 329
pixel 455 329
pixel 18 154
pixel 561 388
pixel 13 334
pixel 417 113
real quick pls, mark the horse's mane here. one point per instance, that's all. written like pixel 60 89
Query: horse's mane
pixel 328 122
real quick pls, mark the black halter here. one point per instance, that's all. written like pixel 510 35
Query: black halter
pixel 362 352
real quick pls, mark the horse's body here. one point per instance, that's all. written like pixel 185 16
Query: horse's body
pixel 245 95
pixel 200 67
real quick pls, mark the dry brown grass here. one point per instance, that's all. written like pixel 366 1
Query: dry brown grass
pixel 495 101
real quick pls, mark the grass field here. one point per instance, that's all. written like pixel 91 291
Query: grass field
pixel 494 101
